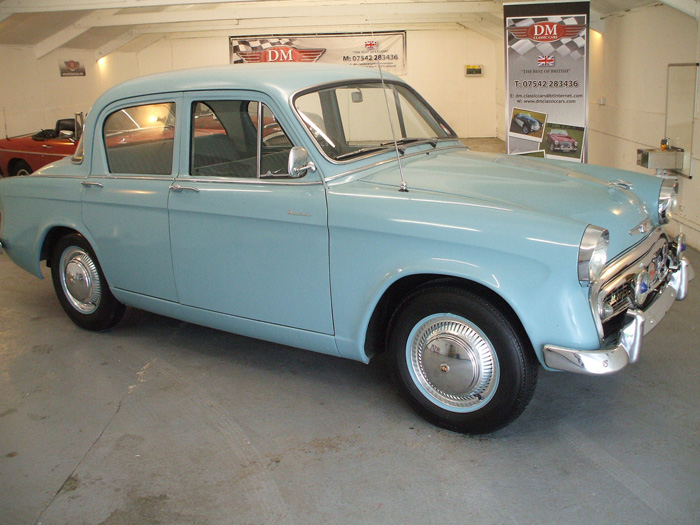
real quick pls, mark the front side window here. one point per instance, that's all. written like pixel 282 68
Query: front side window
pixel 237 138
pixel 139 139
pixel 352 120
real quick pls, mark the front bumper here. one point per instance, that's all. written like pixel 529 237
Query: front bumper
pixel 638 323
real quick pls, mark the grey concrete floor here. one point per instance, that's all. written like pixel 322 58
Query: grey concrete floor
pixel 160 421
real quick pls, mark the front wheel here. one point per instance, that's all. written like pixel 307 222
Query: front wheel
pixel 81 287
pixel 459 361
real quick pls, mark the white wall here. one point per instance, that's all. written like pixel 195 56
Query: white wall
pixel 34 94
pixel 628 68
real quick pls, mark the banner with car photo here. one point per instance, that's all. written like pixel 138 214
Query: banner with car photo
pixel 547 79
pixel 385 49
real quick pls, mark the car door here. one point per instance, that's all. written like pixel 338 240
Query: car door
pixel 125 198
pixel 247 239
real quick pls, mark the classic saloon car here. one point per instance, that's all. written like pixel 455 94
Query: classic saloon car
pixel 559 140
pixel 27 153
pixel 350 234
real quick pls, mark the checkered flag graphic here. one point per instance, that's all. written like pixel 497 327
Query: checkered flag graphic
pixel 565 47
pixel 252 46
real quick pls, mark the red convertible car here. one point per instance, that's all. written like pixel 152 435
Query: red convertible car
pixel 27 153
pixel 559 140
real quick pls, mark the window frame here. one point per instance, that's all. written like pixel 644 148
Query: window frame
pixel 192 99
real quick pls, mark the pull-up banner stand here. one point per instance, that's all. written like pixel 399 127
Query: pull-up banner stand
pixel 547 79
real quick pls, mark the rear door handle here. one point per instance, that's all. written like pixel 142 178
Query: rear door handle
pixel 178 188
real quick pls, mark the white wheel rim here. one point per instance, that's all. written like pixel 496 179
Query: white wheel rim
pixel 452 362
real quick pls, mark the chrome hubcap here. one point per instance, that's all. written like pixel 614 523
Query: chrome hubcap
pixel 80 280
pixel 453 362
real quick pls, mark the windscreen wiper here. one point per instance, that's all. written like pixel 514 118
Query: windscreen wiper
pixel 361 151
pixel 402 142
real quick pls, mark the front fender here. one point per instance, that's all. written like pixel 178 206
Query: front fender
pixel 527 259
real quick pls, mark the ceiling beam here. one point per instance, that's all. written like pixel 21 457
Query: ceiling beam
pixel 9 7
pixel 63 36
pixel 279 10
pixel 316 22
pixel 689 7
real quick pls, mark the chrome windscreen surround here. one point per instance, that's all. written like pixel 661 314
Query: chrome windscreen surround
pixel 626 281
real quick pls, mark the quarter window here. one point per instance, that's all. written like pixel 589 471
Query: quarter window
pixel 237 138
pixel 139 139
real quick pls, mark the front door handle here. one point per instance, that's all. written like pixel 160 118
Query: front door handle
pixel 178 188
pixel 89 184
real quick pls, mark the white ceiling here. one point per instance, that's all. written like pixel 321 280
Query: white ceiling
pixel 104 26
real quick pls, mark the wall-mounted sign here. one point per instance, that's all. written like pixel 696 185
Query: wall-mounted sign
pixel 387 49
pixel 473 71
pixel 547 79
pixel 71 68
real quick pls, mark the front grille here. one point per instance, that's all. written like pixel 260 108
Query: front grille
pixel 620 291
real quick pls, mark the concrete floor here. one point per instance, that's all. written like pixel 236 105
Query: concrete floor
pixel 159 421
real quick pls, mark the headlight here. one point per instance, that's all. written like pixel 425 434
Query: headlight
pixel 592 253
pixel 668 198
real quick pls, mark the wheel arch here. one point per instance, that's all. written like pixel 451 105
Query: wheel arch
pixel 52 236
pixel 13 162
pixel 380 322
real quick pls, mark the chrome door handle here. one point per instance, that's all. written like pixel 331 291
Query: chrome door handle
pixel 177 187
pixel 46 146
pixel 89 184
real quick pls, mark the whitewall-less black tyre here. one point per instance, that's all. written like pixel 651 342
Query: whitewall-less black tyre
pixel 459 361
pixel 81 287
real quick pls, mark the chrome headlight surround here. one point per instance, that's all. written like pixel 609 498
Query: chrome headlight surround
pixel 668 199
pixel 592 253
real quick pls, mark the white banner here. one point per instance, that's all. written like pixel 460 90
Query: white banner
pixel 547 79
pixel 353 49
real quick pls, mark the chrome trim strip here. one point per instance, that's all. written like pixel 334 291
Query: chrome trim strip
pixel 291 182
pixel 42 153
pixel 611 359
pixel 131 177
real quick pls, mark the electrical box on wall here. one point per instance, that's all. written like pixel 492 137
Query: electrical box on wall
pixel 473 71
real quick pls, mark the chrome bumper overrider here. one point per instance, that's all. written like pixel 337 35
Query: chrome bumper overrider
pixel 637 325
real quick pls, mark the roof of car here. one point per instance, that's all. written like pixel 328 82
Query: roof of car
pixel 284 78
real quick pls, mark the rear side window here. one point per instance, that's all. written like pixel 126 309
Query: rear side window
pixel 139 139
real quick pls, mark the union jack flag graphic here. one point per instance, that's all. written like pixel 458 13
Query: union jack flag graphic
pixel 371 44
pixel 545 60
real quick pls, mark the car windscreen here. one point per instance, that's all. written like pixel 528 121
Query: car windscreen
pixel 356 119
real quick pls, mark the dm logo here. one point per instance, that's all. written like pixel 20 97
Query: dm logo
pixel 546 31
pixel 282 54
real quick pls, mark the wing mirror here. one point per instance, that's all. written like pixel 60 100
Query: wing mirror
pixel 299 162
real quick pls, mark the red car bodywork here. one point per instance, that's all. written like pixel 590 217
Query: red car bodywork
pixel 27 153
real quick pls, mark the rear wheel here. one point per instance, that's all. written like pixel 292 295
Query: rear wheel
pixel 459 361
pixel 81 287
pixel 19 169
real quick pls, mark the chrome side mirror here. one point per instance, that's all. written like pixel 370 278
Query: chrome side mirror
pixel 299 162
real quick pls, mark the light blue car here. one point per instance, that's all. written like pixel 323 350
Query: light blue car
pixel 332 209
